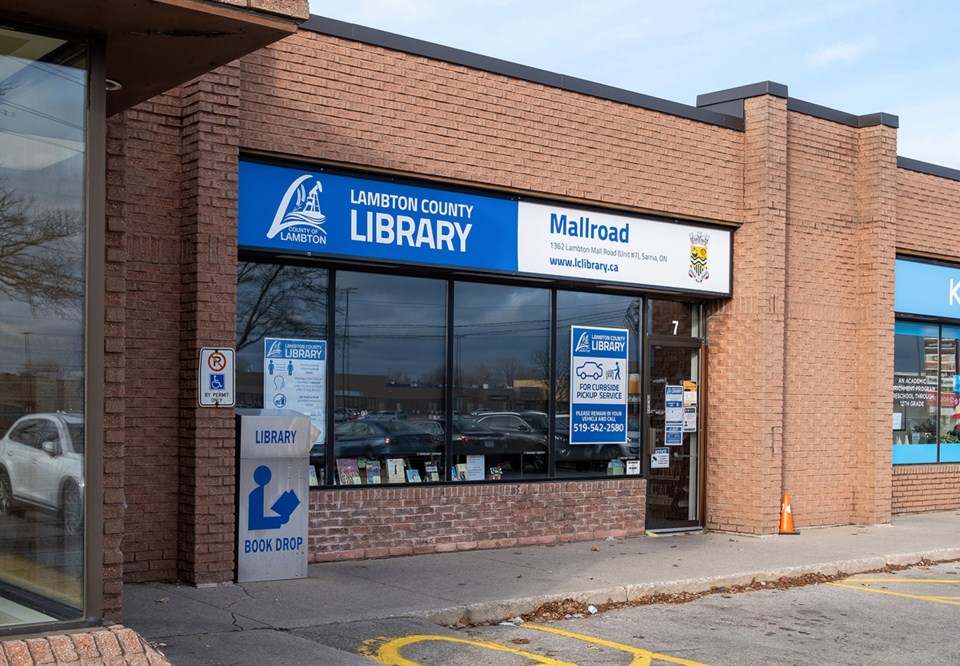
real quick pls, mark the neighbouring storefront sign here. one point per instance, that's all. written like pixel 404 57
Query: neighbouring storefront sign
pixel 927 289
pixel 598 385
pixel 325 214
pixel 295 378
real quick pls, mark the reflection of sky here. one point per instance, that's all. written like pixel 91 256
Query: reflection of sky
pixel 41 99
pixel 396 325
pixel 50 339
pixel 497 323
pixel 47 103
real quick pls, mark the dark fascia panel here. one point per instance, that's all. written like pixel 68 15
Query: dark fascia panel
pixel 849 119
pixel 388 40
pixel 731 101
pixel 927 168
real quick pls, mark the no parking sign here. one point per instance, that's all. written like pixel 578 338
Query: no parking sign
pixel 215 383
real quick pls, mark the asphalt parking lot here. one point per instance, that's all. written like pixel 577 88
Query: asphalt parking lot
pixel 898 617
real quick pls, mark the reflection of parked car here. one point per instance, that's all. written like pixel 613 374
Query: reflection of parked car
pixel 41 463
pixel 468 436
pixel 519 435
pixel 591 370
pixel 386 414
pixel 376 437
pixel 345 414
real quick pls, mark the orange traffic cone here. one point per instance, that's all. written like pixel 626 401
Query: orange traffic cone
pixel 786 516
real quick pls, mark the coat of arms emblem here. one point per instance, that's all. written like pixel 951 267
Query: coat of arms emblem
pixel 698 256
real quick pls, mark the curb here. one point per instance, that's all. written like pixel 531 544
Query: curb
pixel 496 611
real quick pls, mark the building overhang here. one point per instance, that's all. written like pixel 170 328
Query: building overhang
pixel 155 45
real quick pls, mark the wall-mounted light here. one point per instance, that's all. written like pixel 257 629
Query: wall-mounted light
pixel 112 84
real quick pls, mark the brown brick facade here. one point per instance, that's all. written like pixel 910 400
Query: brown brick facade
pixel 353 523
pixel 917 488
pixel 799 360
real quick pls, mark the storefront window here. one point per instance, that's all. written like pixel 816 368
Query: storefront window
pixel 601 311
pixel 949 395
pixel 915 396
pixel 439 380
pixel 501 351
pixel 674 318
pixel 389 385
pixel 283 305
pixel 43 101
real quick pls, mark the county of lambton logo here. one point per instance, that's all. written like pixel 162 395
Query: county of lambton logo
pixel 583 344
pixel 298 217
pixel 698 256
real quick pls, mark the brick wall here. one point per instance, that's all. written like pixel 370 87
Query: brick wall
pixel 354 523
pixel 928 210
pixel 208 296
pixel 144 265
pixel 324 98
pixel 919 488
pixel 928 213
pixel 799 360
pixel 746 336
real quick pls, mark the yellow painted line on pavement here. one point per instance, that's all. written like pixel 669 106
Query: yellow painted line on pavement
pixel 388 652
pixel 640 657
pixel 919 597
pixel 946 581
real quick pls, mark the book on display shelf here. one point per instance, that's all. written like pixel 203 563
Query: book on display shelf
pixel 395 470
pixel 373 471
pixel 349 471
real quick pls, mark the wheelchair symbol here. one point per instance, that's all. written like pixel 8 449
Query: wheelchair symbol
pixel 217 382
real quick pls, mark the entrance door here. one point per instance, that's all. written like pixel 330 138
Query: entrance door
pixel 672 437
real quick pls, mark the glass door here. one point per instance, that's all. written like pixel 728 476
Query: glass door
pixel 673 436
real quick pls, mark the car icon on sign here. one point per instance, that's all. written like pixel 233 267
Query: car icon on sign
pixel 590 369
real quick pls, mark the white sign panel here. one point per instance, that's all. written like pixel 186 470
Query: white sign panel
pixel 598 385
pixel 215 382
pixel 273 497
pixel 555 240
pixel 660 459
pixel 673 415
pixel 295 377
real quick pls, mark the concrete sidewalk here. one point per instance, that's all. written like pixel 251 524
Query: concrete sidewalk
pixel 256 622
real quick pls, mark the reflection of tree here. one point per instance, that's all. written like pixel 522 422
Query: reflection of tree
pixel 508 369
pixel 541 365
pixel 40 254
pixel 280 301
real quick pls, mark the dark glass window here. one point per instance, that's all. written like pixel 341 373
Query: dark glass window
pixel 390 371
pixel 274 301
pixel 602 311
pixel 43 226
pixel 923 394
pixel 674 318
pixel 501 352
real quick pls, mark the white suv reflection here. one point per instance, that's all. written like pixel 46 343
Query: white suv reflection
pixel 41 464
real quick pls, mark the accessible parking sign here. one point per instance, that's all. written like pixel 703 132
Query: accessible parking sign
pixel 598 385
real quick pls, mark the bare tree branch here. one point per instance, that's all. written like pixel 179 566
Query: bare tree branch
pixel 41 254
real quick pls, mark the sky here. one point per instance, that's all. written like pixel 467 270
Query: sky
pixel 856 56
